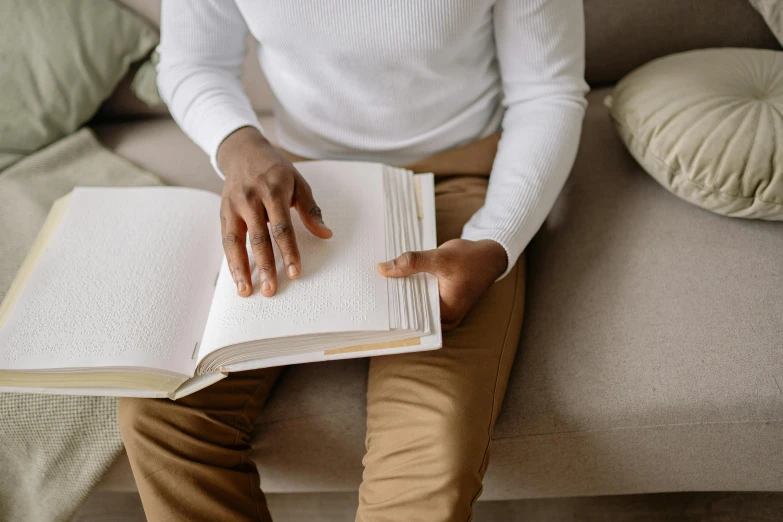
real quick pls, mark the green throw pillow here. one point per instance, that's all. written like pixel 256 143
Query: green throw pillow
pixel 59 60
pixel 708 126
pixel 145 82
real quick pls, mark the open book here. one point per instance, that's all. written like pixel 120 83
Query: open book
pixel 126 291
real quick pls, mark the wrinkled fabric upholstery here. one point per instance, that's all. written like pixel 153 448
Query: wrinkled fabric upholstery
pixel 650 352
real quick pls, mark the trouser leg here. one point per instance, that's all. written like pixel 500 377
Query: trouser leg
pixel 430 414
pixel 190 457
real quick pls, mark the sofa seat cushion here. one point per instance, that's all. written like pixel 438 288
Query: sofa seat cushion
pixel 650 357
pixel 708 126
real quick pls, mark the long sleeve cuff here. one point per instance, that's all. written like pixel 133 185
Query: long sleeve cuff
pixel 500 237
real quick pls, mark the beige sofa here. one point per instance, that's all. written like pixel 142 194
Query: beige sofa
pixel 651 358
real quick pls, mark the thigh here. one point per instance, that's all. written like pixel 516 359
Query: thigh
pixel 458 388
pixel 476 357
pixel 190 457
pixel 222 414
pixel 457 198
pixel 430 414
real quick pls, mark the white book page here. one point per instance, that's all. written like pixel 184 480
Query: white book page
pixel 126 281
pixel 339 290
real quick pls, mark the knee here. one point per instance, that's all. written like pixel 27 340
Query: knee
pixel 457 443
pixel 431 461
pixel 445 443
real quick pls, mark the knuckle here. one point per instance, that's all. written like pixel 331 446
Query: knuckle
pixel 266 268
pixel 230 240
pixel 259 239
pixel 274 191
pixel 276 171
pixel 315 211
pixel 278 183
pixel 269 173
pixel 409 259
pixel 247 193
pixel 282 230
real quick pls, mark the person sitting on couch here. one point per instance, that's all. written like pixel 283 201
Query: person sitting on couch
pixel 428 85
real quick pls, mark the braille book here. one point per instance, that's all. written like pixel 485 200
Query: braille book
pixel 126 291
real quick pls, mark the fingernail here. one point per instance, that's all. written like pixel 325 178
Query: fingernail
pixel 323 225
pixel 265 286
pixel 241 287
pixel 386 265
pixel 293 271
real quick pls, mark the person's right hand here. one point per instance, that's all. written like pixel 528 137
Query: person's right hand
pixel 261 187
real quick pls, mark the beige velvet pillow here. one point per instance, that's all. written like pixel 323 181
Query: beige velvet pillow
pixel 708 126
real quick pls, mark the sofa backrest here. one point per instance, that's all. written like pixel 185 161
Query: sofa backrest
pixel 621 35
pixel 624 34
pixel 252 77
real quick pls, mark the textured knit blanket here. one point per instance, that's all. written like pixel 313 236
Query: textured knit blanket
pixel 53 449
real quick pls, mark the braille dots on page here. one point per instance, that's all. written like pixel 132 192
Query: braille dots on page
pixel 116 283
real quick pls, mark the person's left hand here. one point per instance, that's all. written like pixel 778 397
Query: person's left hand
pixel 465 270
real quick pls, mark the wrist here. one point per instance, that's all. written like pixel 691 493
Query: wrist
pixel 232 153
pixel 496 257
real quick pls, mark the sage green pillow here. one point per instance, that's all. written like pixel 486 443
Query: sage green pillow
pixel 708 126
pixel 59 60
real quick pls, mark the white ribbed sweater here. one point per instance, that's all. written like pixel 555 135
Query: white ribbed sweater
pixel 394 81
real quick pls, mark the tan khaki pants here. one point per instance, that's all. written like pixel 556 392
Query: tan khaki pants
pixel 429 416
